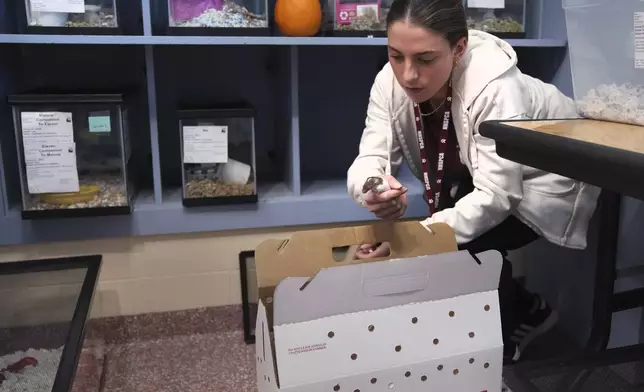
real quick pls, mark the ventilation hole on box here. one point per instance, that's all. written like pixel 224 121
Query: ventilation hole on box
pixel 407 373
pixel 414 320
pixel 357 390
pixel 264 377
pixel 435 341
pixel 439 367
pixel 487 308
pixel 391 385
pixel 486 365
pixel 374 380
pixel 455 372
pixel 336 388
pixel 269 378
pixel 451 313
pixel 423 378
pixel 471 334
pixel 471 361
pixel 371 328
pixel 331 334
pixel 398 348
pixel 354 356
pixel 340 253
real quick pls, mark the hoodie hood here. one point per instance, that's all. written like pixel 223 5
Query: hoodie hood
pixel 487 58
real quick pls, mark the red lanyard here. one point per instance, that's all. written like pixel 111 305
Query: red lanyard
pixel 434 193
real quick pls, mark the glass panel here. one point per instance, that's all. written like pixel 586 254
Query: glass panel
pixel 36 311
pixel 361 15
pixel 71 13
pixel 72 155
pixel 218 13
pixel 496 16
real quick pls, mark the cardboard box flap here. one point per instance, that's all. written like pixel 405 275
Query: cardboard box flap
pixel 264 356
pixel 370 286
pixel 306 252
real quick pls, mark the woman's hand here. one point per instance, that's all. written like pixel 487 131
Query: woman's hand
pixel 390 204
pixel 368 251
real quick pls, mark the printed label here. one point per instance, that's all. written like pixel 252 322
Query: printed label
pixel 66 6
pixel 638 36
pixel 50 152
pixel 51 168
pixel 307 349
pixel 100 122
pixel 205 144
pixel 47 127
pixel 485 3
pixel 349 12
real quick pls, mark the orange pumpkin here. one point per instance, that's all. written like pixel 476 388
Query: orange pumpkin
pixel 298 18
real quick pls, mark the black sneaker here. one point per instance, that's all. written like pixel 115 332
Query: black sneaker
pixel 533 323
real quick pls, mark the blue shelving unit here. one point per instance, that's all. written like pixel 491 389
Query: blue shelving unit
pixel 310 94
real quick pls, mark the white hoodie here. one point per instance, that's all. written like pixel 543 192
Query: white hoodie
pixel 487 85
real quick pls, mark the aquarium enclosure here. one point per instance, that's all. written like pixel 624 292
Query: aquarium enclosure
pixel 503 18
pixel 73 152
pixel 70 17
pixel 360 18
pixel 218 156
pixel 218 17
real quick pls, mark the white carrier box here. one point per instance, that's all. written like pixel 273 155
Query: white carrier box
pixel 426 320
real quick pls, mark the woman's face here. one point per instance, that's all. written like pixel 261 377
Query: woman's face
pixel 421 59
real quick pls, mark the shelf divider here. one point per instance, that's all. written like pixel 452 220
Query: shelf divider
pixel 293 175
pixel 154 126
pixel 147 17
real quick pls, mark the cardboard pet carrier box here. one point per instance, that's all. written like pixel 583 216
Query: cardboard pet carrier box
pixel 425 319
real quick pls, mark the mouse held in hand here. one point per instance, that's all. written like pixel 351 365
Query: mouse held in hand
pixel 375 184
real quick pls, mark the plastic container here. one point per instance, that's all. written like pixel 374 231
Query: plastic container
pixel 606 44
pixel 218 17
pixel 73 153
pixel 503 18
pixel 69 17
pixel 218 156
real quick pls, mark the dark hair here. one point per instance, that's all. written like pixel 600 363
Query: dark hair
pixel 445 17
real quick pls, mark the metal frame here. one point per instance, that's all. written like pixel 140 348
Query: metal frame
pixel 74 342
pixel 249 337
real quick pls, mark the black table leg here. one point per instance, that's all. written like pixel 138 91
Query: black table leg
pixel 605 271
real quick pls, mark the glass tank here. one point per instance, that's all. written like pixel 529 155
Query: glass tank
pixel 503 18
pixel 72 14
pixel 218 17
pixel 218 156
pixel 360 17
pixel 73 152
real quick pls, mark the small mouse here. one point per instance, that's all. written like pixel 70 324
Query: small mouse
pixel 375 184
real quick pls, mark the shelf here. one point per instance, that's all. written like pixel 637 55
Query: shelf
pixel 283 78
pixel 277 207
pixel 258 41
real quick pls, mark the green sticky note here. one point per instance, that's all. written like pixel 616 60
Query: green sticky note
pixel 100 124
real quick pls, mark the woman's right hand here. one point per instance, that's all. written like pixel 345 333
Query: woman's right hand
pixel 369 251
pixel 390 204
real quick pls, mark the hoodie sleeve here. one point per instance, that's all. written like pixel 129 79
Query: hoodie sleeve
pixel 498 182
pixel 379 152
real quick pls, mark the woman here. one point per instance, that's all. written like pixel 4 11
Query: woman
pixel 426 106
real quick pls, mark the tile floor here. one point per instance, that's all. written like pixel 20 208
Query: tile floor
pixel 191 351
pixel 200 350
